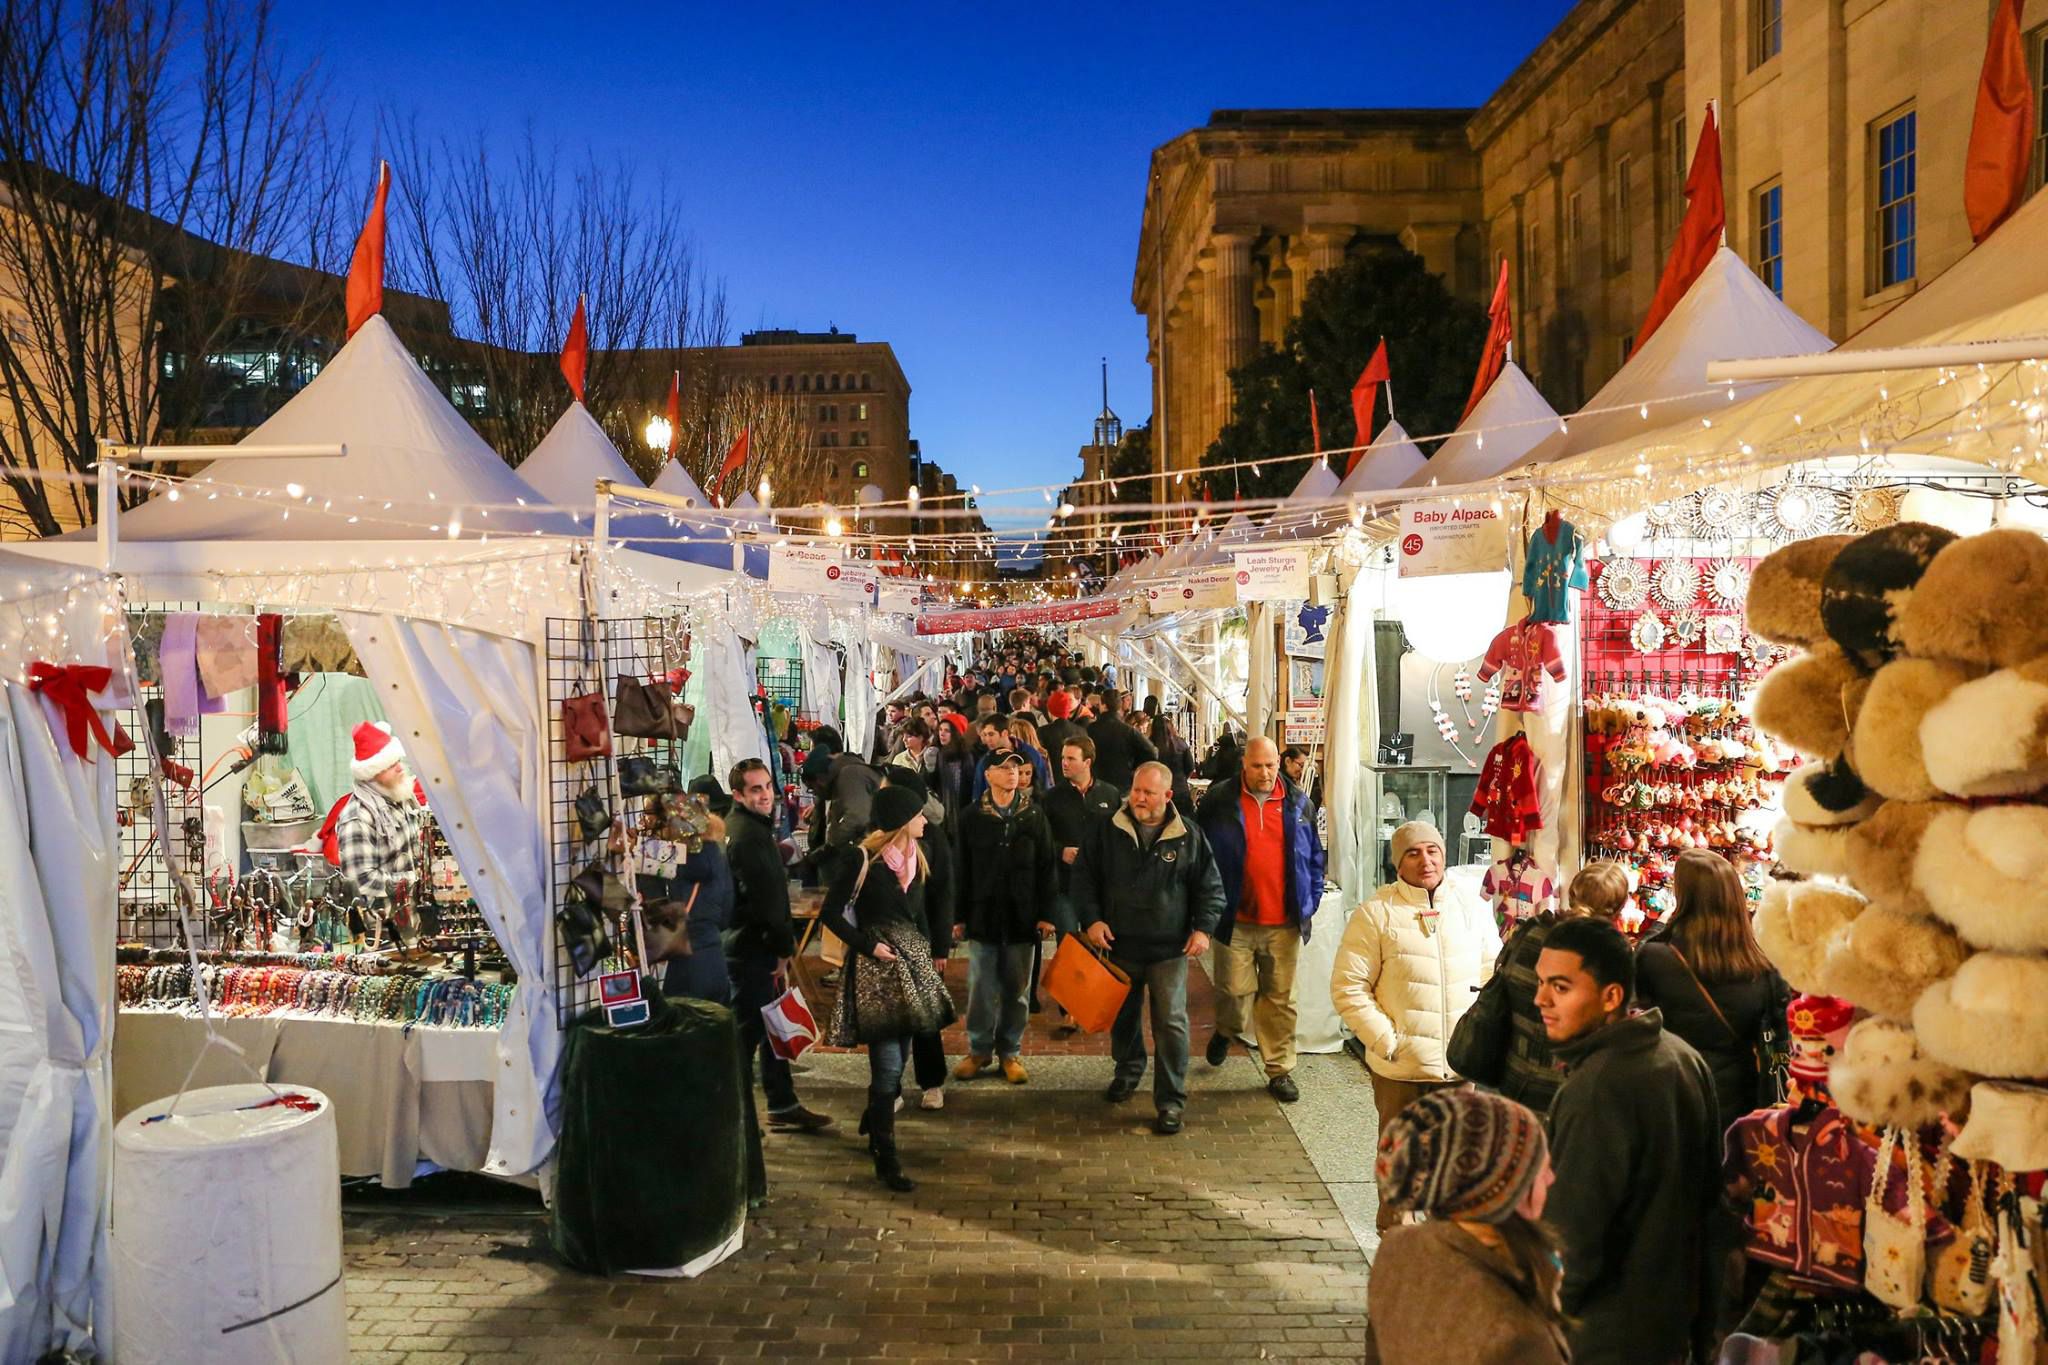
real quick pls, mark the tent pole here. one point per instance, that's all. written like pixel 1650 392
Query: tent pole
pixel 600 532
pixel 109 504
pixel 1202 682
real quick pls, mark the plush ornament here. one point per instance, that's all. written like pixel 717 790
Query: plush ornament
pixel 1870 581
pixel 1796 924
pixel 1884 848
pixel 1819 1026
pixel 1970 609
pixel 2008 1125
pixel 1991 1017
pixel 1801 702
pixel 1885 957
pixel 1823 803
pixel 1983 871
pixel 1784 592
pixel 1886 740
pixel 1989 737
pixel 1882 1079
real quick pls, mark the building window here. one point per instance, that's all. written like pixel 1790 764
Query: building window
pixel 866 380
pixel 859 438
pixel 789 383
pixel 807 383
pixel 832 470
pixel 1574 226
pixel 835 383
pixel 771 383
pixel 849 382
pixel 1534 268
pixel 1894 146
pixel 1681 164
pixel 1628 346
pixel 860 412
pixel 860 468
pixel 818 383
pixel 1770 236
pixel 1766 31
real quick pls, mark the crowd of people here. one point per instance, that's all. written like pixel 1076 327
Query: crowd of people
pixel 1551 1107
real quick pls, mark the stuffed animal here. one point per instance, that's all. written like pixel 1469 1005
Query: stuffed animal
pixel 1991 1017
pixel 1989 736
pixel 1887 743
pixel 1824 802
pixel 1804 702
pixel 1884 958
pixel 1797 924
pixel 1870 581
pixel 1882 850
pixel 1981 602
pixel 1880 1077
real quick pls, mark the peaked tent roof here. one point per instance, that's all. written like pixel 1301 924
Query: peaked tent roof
pixel 1318 481
pixel 404 441
pixel 565 467
pixel 1728 314
pixel 1389 462
pixel 1511 420
pixel 676 480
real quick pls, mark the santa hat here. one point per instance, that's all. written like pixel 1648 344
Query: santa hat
pixel 376 750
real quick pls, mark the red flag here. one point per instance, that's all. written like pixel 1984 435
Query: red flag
pixel 576 352
pixel 675 413
pixel 1499 331
pixel 366 269
pixel 1699 234
pixel 2001 134
pixel 1315 424
pixel 736 458
pixel 1363 395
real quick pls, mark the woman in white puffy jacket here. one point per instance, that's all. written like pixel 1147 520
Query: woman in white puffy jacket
pixel 1411 962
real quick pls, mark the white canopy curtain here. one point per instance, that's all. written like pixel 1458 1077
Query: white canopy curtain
pixel 822 684
pixel 733 732
pixel 467 708
pixel 59 846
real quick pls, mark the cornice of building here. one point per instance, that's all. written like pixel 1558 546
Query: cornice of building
pixel 1573 35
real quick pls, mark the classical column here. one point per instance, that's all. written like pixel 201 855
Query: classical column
pixel 1326 249
pixel 1280 284
pixel 1236 322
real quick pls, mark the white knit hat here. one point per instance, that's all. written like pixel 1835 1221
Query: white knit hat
pixel 2008 1124
pixel 376 750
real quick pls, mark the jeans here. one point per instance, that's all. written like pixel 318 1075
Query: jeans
pixel 998 997
pixel 1166 984
pixel 885 1068
pixel 753 986
pixel 1255 985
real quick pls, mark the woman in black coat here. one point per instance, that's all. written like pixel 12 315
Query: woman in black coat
pixel 893 904
pixel 1704 970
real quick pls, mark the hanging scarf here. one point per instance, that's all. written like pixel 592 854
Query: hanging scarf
pixel 901 857
pixel 185 698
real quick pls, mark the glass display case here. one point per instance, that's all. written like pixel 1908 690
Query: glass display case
pixel 1402 792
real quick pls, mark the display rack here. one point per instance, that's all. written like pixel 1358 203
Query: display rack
pixel 148 903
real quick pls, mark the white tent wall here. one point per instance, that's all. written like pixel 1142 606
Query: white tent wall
pixel 467 707
pixel 1510 420
pixel 1351 703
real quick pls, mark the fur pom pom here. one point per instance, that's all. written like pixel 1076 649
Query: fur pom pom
pixel 1966 606
pixel 1796 925
pixel 1812 850
pixel 1989 737
pixel 1881 1078
pixel 1884 849
pixel 1801 702
pixel 1887 726
pixel 1983 872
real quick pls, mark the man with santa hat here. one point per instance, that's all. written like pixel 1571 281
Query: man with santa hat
pixel 373 833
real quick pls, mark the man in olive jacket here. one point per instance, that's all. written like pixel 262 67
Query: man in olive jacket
pixel 1634 1135
pixel 1146 891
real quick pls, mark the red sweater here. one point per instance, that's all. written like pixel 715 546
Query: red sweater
pixel 1263 898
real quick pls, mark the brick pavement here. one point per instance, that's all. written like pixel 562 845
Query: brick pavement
pixel 1048 1225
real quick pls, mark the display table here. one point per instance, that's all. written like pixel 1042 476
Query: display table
pixel 401 1096
pixel 1316 1025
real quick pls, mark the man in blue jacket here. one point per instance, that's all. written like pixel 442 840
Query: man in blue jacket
pixel 1272 866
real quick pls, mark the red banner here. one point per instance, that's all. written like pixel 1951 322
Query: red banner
pixel 1002 618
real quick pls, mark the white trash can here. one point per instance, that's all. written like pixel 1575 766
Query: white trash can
pixel 227 1230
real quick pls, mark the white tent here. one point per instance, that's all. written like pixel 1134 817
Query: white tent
pixel 1728 313
pixel 1510 420
pixel 565 467
pixel 675 480
pixel 1389 462
pixel 1317 482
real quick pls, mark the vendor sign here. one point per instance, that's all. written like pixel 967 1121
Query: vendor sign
pixel 1305 728
pixel 820 571
pixel 1003 618
pixel 1447 537
pixel 900 599
pixel 1272 575
pixel 1208 588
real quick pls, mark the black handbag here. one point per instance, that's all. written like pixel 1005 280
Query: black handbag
pixel 1478 1049
pixel 648 710
pixel 601 889
pixel 640 775
pixel 593 815
pixel 583 934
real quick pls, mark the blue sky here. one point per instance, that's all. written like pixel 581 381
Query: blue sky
pixel 963 182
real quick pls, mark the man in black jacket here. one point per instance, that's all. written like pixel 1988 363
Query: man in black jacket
pixel 762 937
pixel 1637 1151
pixel 1147 892
pixel 1118 748
pixel 1008 901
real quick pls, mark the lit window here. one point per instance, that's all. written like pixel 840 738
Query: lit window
pixel 1895 145
pixel 860 412
pixel 1770 237
pixel 860 467
pixel 860 438
pixel 1767 30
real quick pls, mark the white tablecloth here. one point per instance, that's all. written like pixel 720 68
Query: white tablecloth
pixel 400 1096
pixel 1316 1025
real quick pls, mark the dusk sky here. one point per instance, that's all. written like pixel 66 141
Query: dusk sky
pixel 963 182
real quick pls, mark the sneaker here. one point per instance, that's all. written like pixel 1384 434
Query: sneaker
pixel 1284 1089
pixel 1167 1123
pixel 798 1120
pixel 1014 1072
pixel 970 1067
pixel 1120 1090
pixel 899 1105
pixel 1219 1048
pixel 934 1098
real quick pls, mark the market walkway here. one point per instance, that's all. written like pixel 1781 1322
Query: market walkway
pixel 1047 1226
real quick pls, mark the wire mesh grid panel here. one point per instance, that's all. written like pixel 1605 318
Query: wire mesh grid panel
pixel 148 903
pixel 594 932
pixel 782 681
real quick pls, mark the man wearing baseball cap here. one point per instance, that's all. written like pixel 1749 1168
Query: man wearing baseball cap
pixel 1008 901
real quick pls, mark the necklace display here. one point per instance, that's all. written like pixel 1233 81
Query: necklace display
pixel 331 992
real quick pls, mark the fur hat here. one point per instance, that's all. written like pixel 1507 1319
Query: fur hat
pixel 1784 591
pixel 1883 848
pixel 2008 1124
pixel 1801 702
pixel 1870 581
pixel 1983 872
pixel 1823 803
pixel 1881 1078
pixel 1989 737
pixel 1885 957
pixel 1991 1017
pixel 1797 922
pixel 1411 834
pixel 1887 743
pixel 1967 612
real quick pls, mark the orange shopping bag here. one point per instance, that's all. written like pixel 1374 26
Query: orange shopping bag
pixel 1087 985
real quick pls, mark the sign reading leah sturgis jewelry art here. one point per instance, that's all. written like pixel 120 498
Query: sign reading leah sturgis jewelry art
pixel 1272 575
pixel 1447 538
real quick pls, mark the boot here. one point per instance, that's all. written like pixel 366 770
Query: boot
pixel 880 1125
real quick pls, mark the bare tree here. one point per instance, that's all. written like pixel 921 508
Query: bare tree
pixel 511 241
pixel 156 161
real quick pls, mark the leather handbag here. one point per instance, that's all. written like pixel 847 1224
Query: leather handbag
pixel 601 889
pixel 593 815
pixel 583 934
pixel 648 710
pixel 1087 985
pixel 640 775
pixel 586 731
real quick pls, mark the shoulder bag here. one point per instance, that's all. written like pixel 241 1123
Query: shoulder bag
pixel 1895 1245
pixel 880 1001
pixel 1479 1044
pixel 1770 1051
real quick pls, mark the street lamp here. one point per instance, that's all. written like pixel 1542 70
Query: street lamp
pixel 658 433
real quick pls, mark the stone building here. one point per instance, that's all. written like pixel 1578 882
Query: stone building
pixel 1844 127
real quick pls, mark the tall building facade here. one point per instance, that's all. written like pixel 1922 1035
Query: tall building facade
pixel 1844 128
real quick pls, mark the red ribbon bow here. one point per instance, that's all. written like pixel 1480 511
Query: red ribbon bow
pixel 68 687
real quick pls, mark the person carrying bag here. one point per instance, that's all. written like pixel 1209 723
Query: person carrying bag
pixel 890 990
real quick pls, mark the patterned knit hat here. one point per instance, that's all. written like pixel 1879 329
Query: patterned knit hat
pixel 1461 1153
